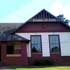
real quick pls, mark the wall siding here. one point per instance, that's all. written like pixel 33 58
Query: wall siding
pixel 64 42
pixel 9 59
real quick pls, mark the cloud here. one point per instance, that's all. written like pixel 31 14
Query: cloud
pixel 23 13
pixel 66 11
pixel 57 7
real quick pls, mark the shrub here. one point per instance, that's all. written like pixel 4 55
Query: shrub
pixel 44 62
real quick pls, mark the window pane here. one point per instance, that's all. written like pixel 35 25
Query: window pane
pixel 36 39
pixel 13 49
pixel 36 43
pixel 54 43
pixel 10 49
pixel 54 39
pixel 17 49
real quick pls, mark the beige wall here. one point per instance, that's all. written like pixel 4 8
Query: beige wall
pixel 64 42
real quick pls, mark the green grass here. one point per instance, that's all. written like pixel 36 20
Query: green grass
pixel 46 68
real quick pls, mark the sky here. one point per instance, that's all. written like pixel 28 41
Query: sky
pixel 19 11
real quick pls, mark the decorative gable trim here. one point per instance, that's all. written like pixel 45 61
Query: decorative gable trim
pixel 44 17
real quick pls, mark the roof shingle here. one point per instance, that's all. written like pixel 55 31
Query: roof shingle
pixel 11 37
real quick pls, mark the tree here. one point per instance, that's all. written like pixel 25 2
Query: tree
pixel 63 19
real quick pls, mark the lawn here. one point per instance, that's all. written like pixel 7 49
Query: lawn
pixel 44 68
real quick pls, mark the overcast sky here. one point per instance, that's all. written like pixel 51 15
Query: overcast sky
pixel 19 11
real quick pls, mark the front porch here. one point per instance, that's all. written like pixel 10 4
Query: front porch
pixel 13 50
pixel 14 53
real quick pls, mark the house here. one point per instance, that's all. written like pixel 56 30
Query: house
pixel 42 37
pixel 7 27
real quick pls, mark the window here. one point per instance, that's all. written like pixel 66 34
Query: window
pixel 54 44
pixel 10 49
pixel 17 49
pixel 36 43
pixel 13 48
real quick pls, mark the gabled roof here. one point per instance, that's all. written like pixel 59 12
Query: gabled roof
pixel 43 15
pixel 11 37
pixel 9 26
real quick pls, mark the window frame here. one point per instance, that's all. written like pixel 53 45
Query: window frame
pixel 14 48
pixel 40 44
pixel 58 43
pixel 9 47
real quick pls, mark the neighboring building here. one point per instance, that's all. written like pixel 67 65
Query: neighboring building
pixel 41 37
pixel 8 26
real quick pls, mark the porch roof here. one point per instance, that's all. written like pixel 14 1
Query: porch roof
pixel 11 37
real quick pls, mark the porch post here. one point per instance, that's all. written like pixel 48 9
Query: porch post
pixel 3 52
pixel 24 53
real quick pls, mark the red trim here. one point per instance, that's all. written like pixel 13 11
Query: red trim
pixel 44 27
